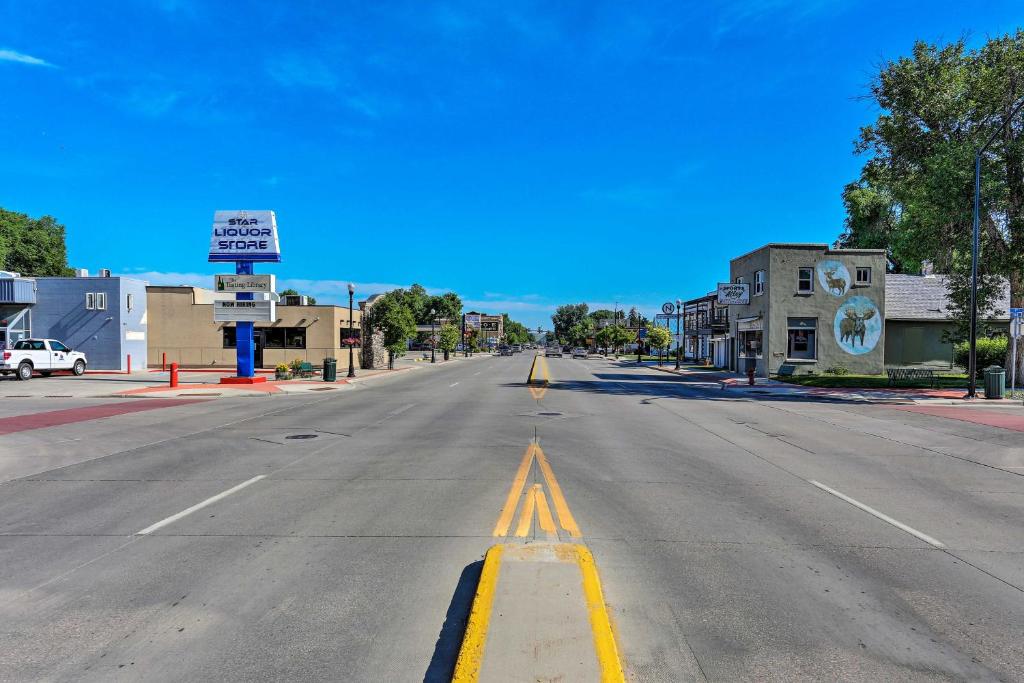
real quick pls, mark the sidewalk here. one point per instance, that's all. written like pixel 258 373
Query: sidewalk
pixel 763 385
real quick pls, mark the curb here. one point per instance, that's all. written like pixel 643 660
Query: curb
pixel 518 654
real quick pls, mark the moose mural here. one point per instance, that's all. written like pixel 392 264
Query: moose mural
pixel 858 325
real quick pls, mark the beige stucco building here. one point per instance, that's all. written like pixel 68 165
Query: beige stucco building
pixel 181 326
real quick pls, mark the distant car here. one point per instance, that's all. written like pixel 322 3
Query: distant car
pixel 40 355
pixel 517 348
pixel 505 351
pixel 553 351
pixel 579 352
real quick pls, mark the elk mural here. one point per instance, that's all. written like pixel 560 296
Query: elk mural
pixel 853 326
pixel 836 285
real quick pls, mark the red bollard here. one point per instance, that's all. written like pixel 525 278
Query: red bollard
pixel 174 375
pixel 163 362
pixel 129 363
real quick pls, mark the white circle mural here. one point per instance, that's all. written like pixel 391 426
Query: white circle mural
pixel 834 277
pixel 858 325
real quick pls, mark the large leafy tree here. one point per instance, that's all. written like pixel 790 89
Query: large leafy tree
pixel 515 332
pixel 914 194
pixel 448 338
pixel 390 313
pixel 447 306
pixel 32 246
pixel 566 317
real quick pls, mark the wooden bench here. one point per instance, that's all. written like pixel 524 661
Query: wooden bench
pixel 900 375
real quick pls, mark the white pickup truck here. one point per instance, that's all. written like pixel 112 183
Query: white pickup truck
pixel 40 355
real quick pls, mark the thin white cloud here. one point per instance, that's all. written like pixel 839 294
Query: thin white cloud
pixel 22 58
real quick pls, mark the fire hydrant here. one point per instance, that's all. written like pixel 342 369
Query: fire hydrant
pixel 750 376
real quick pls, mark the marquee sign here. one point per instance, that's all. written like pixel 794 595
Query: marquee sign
pixel 244 236
pixel 259 284
pixel 733 293
pixel 244 311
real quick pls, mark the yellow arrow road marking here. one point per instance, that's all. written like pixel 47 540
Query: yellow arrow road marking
pixel 526 516
pixel 565 517
pixel 507 512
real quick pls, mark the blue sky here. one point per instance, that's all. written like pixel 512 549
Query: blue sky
pixel 523 154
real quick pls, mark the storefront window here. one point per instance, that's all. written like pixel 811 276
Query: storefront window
pixel 229 338
pixel 802 333
pixel 295 337
pixel 750 343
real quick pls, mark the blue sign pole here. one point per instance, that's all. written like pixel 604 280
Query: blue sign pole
pixel 244 341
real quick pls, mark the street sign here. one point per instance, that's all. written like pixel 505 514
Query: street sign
pixel 667 308
pixel 1017 313
pixel 244 311
pixel 244 236
pixel 733 293
pixel 643 333
pixel 244 283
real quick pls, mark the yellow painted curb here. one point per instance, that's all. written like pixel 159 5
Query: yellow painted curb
pixel 471 655
pixel 532 379
pixel 600 622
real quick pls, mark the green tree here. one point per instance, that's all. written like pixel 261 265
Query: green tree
pixel 566 317
pixel 581 332
pixel 515 332
pixel 32 247
pixel 390 313
pixel 613 337
pixel 659 338
pixel 448 338
pixel 292 292
pixel 915 193
pixel 447 306
pixel 417 301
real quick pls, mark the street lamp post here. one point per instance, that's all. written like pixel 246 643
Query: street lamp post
pixel 679 334
pixel 351 360
pixel 433 339
pixel 972 369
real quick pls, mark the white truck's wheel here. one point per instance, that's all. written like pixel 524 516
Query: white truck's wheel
pixel 79 368
pixel 25 370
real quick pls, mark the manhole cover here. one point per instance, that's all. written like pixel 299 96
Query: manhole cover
pixel 302 436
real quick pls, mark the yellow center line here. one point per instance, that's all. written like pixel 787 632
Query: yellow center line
pixel 544 512
pixel 600 622
pixel 507 512
pixel 526 516
pixel 565 517
pixel 471 656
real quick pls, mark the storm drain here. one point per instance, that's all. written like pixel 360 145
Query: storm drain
pixel 302 436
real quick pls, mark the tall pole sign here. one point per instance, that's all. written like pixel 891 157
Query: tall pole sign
pixel 245 237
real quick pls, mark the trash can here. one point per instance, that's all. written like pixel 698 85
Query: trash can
pixel 330 369
pixel 995 382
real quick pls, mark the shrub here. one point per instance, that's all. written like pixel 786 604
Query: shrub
pixel 837 370
pixel 990 351
pixel 296 365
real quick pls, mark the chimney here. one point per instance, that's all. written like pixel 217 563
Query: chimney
pixel 927 268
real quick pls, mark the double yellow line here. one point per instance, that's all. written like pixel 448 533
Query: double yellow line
pixel 535 498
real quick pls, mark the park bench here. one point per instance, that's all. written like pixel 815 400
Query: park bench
pixel 901 375
pixel 785 370
pixel 306 370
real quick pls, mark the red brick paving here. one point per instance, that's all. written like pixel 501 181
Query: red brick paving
pixel 975 415
pixel 53 418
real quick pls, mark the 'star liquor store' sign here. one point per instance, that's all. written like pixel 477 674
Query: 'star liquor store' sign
pixel 244 236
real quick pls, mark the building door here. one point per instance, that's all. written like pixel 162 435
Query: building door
pixel 258 339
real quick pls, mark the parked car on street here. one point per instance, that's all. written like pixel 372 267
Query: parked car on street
pixel 579 352
pixel 40 355
pixel 553 351
pixel 504 350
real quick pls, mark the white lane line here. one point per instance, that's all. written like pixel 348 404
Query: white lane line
pixel 881 515
pixel 452 385
pixel 198 506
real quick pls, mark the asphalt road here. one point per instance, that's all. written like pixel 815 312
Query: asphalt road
pixel 737 538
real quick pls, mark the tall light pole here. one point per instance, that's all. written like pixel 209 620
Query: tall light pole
pixel 351 360
pixel 433 340
pixel 972 369
pixel 679 334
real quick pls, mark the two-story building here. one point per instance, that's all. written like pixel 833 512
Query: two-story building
pixel 705 328
pixel 811 309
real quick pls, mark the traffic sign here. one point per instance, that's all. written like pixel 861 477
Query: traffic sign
pixel 667 308
pixel 643 333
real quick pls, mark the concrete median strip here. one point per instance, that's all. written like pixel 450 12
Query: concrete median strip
pixel 544 620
